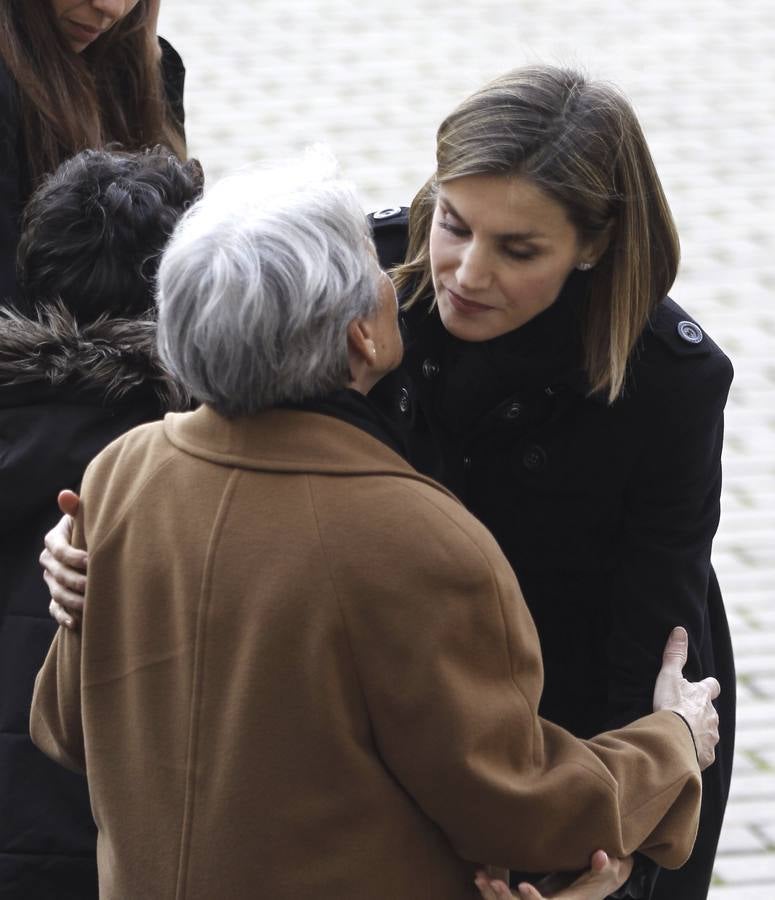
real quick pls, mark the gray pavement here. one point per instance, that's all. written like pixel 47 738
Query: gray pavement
pixel 373 78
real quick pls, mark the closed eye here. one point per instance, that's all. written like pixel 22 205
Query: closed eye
pixel 453 229
pixel 519 254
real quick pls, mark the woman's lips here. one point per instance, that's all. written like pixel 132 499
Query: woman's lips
pixel 468 307
pixel 84 34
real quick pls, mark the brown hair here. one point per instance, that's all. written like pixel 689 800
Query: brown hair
pixel 112 92
pixel 579 142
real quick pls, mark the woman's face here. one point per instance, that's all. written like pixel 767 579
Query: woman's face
pixel 83 21
pixel 500 250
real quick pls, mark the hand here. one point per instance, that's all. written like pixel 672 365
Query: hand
pixel 693 700
pixel 64 566
pixel 604 876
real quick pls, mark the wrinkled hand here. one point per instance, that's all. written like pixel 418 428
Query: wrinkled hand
pixel 604 876
pixel 693 700
pixel 64 566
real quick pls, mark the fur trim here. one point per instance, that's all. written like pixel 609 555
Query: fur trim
pixel 110 356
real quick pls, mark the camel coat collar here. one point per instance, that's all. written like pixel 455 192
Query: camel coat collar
pixel 269 442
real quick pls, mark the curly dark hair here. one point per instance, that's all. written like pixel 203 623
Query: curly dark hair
pixel 94 230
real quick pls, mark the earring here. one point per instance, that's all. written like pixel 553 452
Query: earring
pixel 584 266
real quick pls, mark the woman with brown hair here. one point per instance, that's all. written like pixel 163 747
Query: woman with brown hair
pixel 78 74
pixel 551 383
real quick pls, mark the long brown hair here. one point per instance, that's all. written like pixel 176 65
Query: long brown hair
pixel 112 92
pixel 579 142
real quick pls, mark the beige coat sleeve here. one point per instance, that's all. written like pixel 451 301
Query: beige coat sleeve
pixel 56 727
pixel 450 668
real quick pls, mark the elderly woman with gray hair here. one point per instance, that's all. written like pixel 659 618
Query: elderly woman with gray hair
pixel 294 647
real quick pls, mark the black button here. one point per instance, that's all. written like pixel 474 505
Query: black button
pixel 534 458
pixel 690 332
pixel 467 462
pixel 514 410
pixel 403 400
pixel 430 369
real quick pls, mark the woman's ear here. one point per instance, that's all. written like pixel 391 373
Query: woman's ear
pixel 593 250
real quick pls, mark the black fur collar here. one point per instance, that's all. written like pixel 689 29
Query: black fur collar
pixel 109 358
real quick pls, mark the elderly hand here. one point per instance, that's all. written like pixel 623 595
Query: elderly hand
pixel 692 700
pixel 604 876
pixel 64 566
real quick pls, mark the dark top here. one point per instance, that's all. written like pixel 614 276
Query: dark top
pixel 606 513
pixel 65 392
pixel 15 184
pixel 352 407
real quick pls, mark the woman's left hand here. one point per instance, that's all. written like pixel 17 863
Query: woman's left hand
pixel 604 876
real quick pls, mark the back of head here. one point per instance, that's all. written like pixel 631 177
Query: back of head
pixel 579 141
pixel 93 232
pixel 259 283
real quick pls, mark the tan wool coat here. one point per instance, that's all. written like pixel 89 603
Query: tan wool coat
pixel 305 671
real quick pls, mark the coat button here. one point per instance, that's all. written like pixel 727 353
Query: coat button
pixel 534 458
pixel 514 410
pixel 403 400
pixel 390 213
pixel 467 462
pixel 430 369
pixel 690 332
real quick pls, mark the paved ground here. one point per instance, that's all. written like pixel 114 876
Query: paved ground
pixel 372 78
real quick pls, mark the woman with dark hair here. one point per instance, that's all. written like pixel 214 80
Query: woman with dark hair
pixel 77 372
pixel 76 74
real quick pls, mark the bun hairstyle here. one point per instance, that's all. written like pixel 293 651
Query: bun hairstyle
pixel 93 232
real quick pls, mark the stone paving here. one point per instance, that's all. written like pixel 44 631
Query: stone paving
pixel 373 78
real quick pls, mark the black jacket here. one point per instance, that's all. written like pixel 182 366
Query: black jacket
pixel 606 513
pixel 64 394
pixel 15 183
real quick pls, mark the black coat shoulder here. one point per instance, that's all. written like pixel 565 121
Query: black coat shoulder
pixel 174 78
pixel 390 230
pixel 675 354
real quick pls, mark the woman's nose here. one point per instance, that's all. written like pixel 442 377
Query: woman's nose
pixel 473 271
pixel 111 9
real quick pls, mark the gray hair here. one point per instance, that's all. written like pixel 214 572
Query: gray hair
pixel 258 285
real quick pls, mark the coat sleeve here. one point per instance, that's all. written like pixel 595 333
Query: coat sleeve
pixel 10 200
pixel 56 726
pixel 671 516
pixel 450 668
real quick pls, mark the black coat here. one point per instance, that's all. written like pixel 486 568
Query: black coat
pixel 15 183
pixel 606 513
pixel 64 394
